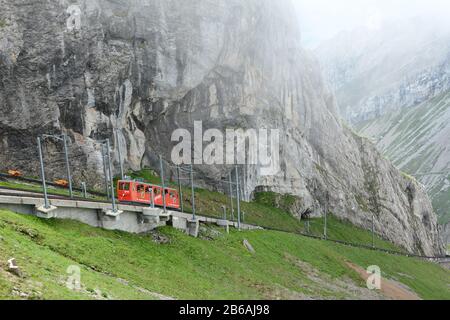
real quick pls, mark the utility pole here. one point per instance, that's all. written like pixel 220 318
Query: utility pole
pixel 66 154
pixel 44 186
pixel 244 188
pixel 163 184
pixel 113 200
pixel 83 188
pixel 193 193
pixel 122 176
pixel 63 138
pixel 180 190
pixel 373 230
pixel 105 171
pixel 238 199
pixel 325 233
pixel 224 208
pixel 231 195
pixel 152 194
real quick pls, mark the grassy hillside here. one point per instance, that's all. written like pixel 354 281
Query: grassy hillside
pixel 117 265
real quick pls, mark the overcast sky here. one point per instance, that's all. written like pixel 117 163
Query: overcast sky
pixel 322 19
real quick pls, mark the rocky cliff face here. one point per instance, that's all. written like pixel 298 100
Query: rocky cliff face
pixel 149 67
pixel 446 233
pixel 416 139
pixel 393 85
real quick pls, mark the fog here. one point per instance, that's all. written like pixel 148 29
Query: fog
pixel 322 19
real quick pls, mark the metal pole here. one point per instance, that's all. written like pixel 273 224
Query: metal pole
pixel 69 176
pixel 83 187
pixel 246 196
pixel 153 197
pixel 44 186
pixel 237 198
pixel 162 183
pixel 180 190
pixel 231 196
pixel 193 193
pixel 224 212
pixel 373 230
pixel 241 189
pixel 105 171
pixel 120 155
pixel 327 205
pixel 111 178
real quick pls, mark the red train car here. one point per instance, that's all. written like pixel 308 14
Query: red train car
pixel 140 192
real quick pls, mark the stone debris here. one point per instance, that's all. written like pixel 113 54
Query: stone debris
pixel 14 268
pixel 248 246
pixel 159 238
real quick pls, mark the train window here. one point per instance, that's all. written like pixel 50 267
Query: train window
pixel 141 188
pixel 124 186
pixel 158 191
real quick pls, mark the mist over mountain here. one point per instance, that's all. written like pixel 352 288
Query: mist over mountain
pixel 402 64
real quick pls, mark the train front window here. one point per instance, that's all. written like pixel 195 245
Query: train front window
pixel 125 186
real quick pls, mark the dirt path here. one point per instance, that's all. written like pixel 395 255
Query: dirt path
pixel 390 289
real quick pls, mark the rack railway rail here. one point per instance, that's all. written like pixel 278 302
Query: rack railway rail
pixel 58 186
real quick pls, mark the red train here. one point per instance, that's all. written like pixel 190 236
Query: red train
pixel 141 193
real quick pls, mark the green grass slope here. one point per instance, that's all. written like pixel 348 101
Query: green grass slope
pixel 117 265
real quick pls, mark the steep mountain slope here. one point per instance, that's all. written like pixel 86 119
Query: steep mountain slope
pixel 149 67
pixel 417 141
pixel 393 85
pixel 374 72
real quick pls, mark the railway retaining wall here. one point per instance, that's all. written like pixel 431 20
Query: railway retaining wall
pixel 128 218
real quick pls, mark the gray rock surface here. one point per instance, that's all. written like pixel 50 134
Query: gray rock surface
pixel 149 67
pixel 393 85
pixel 446 234
pixel 416 139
